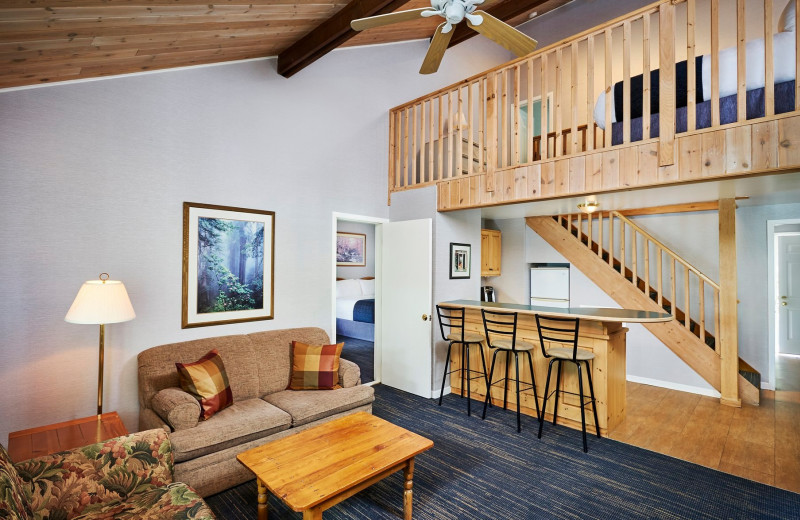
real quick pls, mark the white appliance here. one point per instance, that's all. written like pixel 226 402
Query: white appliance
pixel 550 285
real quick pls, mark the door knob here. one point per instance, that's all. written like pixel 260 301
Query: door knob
pixel 784 304
pixel 424 317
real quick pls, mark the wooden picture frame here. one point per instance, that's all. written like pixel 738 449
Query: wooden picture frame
pixel 228 265
pixel 460 260
pixel 351 249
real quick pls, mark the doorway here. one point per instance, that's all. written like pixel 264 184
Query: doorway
pixel 785 305
pixel 356 276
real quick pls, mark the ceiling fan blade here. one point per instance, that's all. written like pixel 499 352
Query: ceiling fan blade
pixel 502 33
pixel 436 50
pixel 386 19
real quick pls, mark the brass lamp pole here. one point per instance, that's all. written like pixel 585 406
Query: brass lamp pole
pixel 100 302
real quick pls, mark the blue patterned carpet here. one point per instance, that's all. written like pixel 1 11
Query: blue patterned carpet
pixel 360 352
pixel 485 470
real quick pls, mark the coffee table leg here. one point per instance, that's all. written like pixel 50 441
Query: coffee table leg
pixel 263 496
pixel 312 514
pixel 408 494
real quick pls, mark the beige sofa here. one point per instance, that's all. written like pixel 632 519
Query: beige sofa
pixel 258 367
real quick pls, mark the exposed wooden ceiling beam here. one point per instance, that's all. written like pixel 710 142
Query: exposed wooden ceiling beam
pixel 711 205
pixel 331 34
pixel 505 11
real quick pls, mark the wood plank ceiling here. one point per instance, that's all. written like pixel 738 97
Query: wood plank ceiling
pixel 45 41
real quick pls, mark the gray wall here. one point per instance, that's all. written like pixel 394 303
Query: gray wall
pixel 93 175
pixel 351 271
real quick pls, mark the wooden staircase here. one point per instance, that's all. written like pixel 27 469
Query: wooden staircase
pixel 640 272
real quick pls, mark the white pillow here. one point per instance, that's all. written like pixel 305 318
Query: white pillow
pixel 786 23
pixel 367 287
pixel 349 288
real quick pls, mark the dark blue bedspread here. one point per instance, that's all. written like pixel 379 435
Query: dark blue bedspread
pixel 364 310
pixel 784 102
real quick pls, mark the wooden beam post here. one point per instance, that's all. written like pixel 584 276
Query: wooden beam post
pixel 728 329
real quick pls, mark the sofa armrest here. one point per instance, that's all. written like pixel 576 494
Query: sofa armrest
pixel 349 373
pixel 180 409
pixel 69 483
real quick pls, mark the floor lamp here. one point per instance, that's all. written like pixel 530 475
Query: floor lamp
pixel 99 302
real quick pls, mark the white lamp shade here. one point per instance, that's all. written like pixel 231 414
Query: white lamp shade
pixel 100 302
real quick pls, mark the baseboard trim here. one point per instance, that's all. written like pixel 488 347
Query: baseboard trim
pixel 674 386
pixel 435 392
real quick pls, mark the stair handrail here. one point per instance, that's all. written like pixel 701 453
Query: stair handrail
pixel 669 251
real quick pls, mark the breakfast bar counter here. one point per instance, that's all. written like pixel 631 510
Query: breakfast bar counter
pixel 601 331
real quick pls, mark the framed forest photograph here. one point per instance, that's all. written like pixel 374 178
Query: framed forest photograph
pixel 228 265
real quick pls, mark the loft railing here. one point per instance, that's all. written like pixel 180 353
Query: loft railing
pixel 496 120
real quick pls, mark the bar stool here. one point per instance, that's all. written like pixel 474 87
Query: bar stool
pixel 548 327
pixel 504 327
pixel 453 319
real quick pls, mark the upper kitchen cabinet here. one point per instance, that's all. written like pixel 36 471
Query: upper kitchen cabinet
pixel 490 252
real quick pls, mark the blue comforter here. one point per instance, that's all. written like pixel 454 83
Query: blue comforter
pixel 364 310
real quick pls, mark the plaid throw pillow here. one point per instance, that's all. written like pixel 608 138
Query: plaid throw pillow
pixel 207 381
pixel 315 367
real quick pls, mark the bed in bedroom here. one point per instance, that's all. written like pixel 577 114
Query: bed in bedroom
pixel 355 308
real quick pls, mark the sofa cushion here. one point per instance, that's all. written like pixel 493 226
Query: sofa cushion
pixel 306 406
pixel 14 495
pixel 273 349
pixel 239 423
pixel 207 381
pixel 157 365
pixel 178 408
pixel 176 501
pixel 315 367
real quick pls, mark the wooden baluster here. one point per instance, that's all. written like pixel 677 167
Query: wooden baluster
pixel 646 271
pixel 686 308
pixel 557 94
pixel 590 219
pixel 392 152
pixel 574 95
pixel 405 148
pixel 569 222
pixel 459 144
pixel 470 126
pixel 634 259
pixel 702 301
pixel 515 145
pixel 431 172
pixel 481 135
pixel 580 227
pixel 504 117
pixel 600 234
pixel 441 171
pixel 609 90
pixel 626 81
pixel 660 275
pixel 716 319
pixel 414 180
pixel 420 153
pixel 646 76
pixel 622 246
pixel 491 130
pixel 714 63
pixel 543 126
pixel 451 125
pixel 769 70
pixel 741 58
pixel 673 296
pixel 529 133
pixel 590 127
pixel 611 241
pixel 666 101
pixel 691 72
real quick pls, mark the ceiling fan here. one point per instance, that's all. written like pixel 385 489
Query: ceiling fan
pixel 454 11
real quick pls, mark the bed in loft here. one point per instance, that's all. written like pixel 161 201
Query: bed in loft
pixel 355 308
pixel 784 87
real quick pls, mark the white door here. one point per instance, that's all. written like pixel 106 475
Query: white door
pixel 789 294
pixel 406 282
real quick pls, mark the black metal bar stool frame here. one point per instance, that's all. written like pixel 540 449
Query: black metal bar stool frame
pixel 491 325
pixel 569 329
pixel 453 318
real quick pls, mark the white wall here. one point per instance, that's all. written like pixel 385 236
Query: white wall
pixel 352 271
pixel 93 175
pixel 512 286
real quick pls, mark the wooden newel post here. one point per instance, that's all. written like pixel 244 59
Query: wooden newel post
pixel 728 317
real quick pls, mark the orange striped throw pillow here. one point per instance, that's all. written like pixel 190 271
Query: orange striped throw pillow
pixel 207 381
pixel 315 367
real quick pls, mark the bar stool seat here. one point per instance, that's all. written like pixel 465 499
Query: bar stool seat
pixel 566 353
pixel 469 337
pixel 507 344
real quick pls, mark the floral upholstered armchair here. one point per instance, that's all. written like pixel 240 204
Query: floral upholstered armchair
pixel 125 477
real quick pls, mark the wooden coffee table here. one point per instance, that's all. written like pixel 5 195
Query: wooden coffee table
pixel 319 467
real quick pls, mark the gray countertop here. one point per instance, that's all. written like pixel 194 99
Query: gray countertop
pixel 584 313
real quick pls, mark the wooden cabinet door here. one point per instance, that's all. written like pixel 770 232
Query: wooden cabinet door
pixel 490 252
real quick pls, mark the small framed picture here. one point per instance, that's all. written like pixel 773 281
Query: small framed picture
pixel 460 260
pixel 351 249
